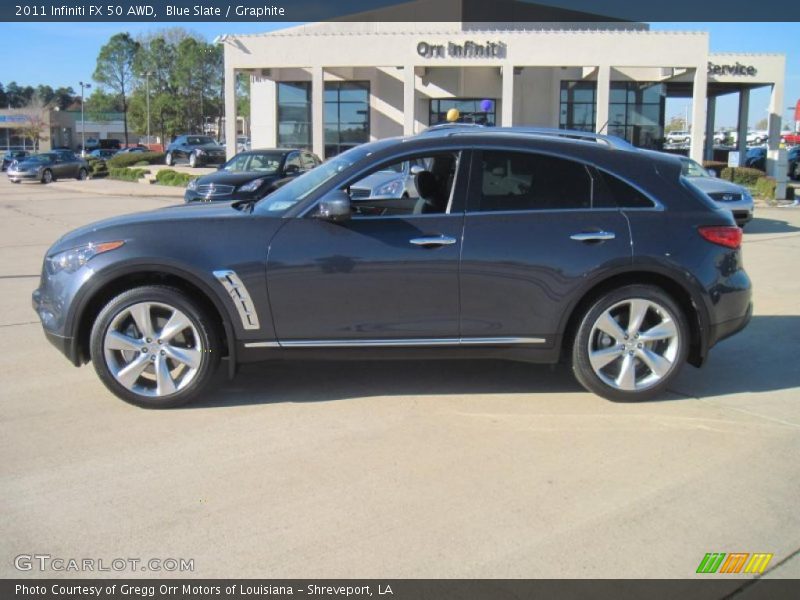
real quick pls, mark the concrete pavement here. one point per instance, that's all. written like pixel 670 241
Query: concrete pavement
pixel 410 469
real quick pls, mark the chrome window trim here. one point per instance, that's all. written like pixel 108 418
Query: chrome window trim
pixel 398 343
pixel 237 291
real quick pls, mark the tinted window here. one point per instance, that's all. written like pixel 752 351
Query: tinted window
pixel 523 181
pixel 308 161
pixel 615 191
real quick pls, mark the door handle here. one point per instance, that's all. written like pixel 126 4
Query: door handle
pixel 593 236
pixel 432 241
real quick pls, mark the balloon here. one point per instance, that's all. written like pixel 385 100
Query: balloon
pixel 452 115
pixel 486 105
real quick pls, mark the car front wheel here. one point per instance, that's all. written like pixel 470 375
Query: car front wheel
pixel 154 347
pixel 193 160
pixel 168 159
pixel 82 174
pixel 47 176
pixel 630 344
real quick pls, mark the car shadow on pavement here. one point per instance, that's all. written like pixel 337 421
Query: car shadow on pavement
pixel 762 225
pixel 761 358
pixel 318 381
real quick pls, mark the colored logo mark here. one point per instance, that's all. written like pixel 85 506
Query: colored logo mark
pixel 734 562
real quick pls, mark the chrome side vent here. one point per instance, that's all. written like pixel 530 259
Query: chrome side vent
pixel 240 297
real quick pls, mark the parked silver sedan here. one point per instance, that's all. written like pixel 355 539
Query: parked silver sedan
pixel 726 194
pixel 48 166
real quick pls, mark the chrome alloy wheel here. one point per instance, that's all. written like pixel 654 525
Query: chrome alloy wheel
pixel 634 344
pixel 153 349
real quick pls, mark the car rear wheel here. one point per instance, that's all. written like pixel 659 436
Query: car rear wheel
pixel 82 174
pixel 47 176
pixel 168 160
pixel 630 344
pixel 154 347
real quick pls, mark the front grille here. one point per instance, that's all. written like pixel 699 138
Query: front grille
pixel 358 193
pixel 214 189
pixel 725 197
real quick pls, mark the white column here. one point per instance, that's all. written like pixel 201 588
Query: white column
pixel 775 167
pixel 409 99
pixel 318 111
pixel 711 111
pixel 741 126
pixel 699 92
pixel 603 98
pixel 230 112
pixel 507 113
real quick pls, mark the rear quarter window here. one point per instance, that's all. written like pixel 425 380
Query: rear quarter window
pixel 615 191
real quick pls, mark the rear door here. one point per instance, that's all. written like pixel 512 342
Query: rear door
pixel 535 233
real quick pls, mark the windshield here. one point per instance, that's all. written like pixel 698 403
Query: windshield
pixel 260 162
pixel 690 168
pixel 198 140
pixel 42 158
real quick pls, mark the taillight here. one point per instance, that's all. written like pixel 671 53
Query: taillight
pixel 729 236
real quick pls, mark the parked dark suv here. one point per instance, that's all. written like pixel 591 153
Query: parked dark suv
pixel 196 150
pixel 518 244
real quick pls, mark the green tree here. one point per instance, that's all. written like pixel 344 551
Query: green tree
pixel 115 69
pixel 18 96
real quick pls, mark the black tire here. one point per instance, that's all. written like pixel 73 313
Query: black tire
pixel 83 174
pixel 208 342
pixel 168 159
pixel 586 332
pixel 47 176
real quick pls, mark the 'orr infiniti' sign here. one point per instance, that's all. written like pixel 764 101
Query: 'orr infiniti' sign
pixel 737 69
pixel 468 49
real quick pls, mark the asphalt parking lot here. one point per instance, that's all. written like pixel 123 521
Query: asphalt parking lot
pixel 411 469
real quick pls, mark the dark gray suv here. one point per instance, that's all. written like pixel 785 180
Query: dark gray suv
pixel 527 245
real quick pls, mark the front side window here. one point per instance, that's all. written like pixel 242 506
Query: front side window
pixel 262 162
pixel 511 181
pixel 415 185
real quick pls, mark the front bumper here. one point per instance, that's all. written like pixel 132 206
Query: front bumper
pixel 193 196
pixel 23 175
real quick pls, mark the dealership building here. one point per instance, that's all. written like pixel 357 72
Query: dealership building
pixel 332 85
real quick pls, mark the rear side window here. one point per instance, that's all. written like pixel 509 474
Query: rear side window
pixel 614 191
pixel 526 181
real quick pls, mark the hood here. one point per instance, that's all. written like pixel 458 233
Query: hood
pixel 378 179
pixel 227 178
pixel 27 163
pixel 211 147
pixel 126 225
pixel 714 185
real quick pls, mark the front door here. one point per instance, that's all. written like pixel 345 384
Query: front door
pixel 387 276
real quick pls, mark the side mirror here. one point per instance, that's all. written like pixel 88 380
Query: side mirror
pixel 291 169
pixel 334 206
pixel 416 169
pixel 712 172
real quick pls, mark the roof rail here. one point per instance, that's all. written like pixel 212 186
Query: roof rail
pixel 466 128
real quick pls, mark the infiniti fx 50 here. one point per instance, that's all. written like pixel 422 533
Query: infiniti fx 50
pixel 528 245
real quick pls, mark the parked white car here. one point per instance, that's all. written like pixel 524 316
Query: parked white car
pixel 679 137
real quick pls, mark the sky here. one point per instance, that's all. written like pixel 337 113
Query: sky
pixel 62 54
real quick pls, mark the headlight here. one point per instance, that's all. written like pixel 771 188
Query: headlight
pixel 192 184
pixel 200 151
pixel 393 188
pixel 73 259
pixel 251 186
pixel 746 195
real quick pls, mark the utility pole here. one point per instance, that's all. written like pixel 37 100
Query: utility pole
pixel 83 120
pixel 147 92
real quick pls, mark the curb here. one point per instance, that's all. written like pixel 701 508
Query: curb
pixel 122 189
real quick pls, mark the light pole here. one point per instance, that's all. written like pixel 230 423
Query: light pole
pixel 147 93
pixel 83 120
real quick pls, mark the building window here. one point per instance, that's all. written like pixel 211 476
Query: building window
pixel 578 106
pixel 636 112
pixel 294 114
pixel 346 115
pixel 471 110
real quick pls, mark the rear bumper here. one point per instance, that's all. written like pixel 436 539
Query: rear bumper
pixel 726 329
